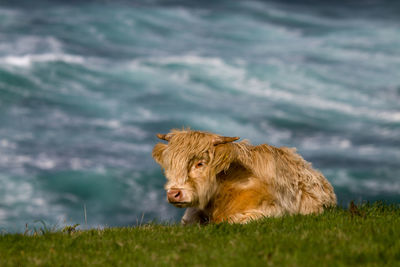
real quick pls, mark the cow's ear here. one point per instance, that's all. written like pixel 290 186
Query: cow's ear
pixel 158 152
pixel 223 156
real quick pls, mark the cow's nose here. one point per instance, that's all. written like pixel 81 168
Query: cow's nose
pixel 174 195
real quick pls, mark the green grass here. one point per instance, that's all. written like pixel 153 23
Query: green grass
pixel 367 235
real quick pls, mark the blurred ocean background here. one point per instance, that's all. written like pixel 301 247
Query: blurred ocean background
pixel 86 85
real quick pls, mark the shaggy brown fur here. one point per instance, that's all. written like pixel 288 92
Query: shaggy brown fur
pixel 219 180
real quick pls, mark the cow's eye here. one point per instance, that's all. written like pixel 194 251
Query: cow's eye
pixel 199 164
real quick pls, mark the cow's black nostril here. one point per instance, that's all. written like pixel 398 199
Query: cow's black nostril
pixel 174 195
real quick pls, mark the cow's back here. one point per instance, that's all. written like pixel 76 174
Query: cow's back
pixel 311 191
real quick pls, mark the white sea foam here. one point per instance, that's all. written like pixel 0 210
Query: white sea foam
pixel 237 78
pixel 113 124
pixel 191 60
pixel 78 163
pixel 227 126
pixel 7 144
pixel 341 178
pixel 377 187
pixel 15 191
pixel 17 163
pixel 324 143
pixel 146 114
pixel 30 44
pixel 28 60
pixel 263 89
pixel 44 162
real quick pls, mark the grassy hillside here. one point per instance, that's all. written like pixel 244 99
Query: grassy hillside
pixel 367 235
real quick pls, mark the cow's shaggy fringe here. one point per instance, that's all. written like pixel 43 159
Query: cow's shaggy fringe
pixel 242 182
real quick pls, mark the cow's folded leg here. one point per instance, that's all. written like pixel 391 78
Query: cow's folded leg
pixel 245 217
pixel 194 216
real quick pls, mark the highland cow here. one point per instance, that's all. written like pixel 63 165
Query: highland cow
pixel 218 180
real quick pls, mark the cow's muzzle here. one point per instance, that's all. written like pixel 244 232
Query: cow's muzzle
pixel 176 197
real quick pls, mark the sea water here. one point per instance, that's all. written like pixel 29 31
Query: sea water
pixel 86 85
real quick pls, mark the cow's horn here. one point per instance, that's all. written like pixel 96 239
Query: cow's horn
pixel 165 137
pixel 224 139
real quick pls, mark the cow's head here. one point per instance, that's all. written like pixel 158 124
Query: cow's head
pixel 190 161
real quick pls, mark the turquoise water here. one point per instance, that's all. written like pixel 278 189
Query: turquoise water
pixel 85 86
